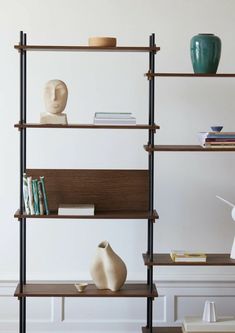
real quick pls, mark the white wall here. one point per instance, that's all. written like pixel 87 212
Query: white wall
pixel 186 183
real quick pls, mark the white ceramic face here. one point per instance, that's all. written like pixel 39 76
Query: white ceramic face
pixel 55 96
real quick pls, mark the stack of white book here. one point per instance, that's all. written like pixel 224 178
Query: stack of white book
pixel 114 118
pixel 187 256
pixel 77 209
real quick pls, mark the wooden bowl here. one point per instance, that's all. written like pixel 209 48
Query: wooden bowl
pixel 102 41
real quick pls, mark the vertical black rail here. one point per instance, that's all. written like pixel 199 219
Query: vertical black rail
pixel 151 182
pixel 22 303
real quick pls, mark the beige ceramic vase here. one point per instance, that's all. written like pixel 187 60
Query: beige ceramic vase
pixel 108 271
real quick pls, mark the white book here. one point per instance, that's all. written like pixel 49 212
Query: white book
pixel 111 115
pixel 76 209
pixel 187 256
pixel 130 121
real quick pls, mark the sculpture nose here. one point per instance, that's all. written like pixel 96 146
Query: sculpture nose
pixel 53 96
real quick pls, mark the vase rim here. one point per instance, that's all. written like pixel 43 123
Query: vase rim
pixel 205 33
pixel 103 244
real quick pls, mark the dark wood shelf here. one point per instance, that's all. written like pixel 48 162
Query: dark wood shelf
pixel 162 330
pixel 98 215
pixel 218 75
pixel 87 126
pixel 213 259
pixel 69 290
pixel 186 148
pixel 86 48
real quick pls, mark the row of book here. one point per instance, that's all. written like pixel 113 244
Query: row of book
pixel 35 197
pixel 114 118
pixel 217 139
pixel 187 256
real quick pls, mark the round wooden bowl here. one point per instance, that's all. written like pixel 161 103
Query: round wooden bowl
pixel 102 41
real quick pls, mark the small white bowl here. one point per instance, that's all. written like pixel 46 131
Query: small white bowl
pixel 81 286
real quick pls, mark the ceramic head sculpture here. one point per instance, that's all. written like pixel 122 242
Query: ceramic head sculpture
pixel 55 98
pixel 232 254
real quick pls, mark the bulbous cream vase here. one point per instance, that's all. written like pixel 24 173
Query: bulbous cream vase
pixel 108 271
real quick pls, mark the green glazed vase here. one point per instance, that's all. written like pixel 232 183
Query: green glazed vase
pixel 205 53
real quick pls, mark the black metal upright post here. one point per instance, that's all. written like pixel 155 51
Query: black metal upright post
pixel 151 182
pixel 22 300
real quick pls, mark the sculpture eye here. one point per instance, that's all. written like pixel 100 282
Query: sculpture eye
pixel 60 90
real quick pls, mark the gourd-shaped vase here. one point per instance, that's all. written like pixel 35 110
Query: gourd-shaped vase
pixel 108 271
pixel 205 53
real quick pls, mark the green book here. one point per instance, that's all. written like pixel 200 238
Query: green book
pixel 44 195
pixel 35 196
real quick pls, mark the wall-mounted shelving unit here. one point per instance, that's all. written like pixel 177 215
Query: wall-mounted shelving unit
pixel 136 185
pixel 129 197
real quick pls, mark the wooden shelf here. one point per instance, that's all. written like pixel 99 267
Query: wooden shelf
pixel 98 215
pixel 185 148
pixel 69 290
pixel 213 259
pixel 218 75
pixel 86 126
pixel 162 330
pixel 86 48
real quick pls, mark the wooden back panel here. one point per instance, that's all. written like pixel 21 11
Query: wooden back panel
pixel 108 190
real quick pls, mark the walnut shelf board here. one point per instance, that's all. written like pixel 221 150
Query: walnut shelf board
pixel 218 75
pixel 109 190
pixel 86 126
pixel 186 148
pixel 98 215
pixel 162 330
pixel 213 259
pixel 69 290
pixel 86 48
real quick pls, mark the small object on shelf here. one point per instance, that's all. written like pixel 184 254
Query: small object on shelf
pixel 108 271
pixel 55 98
pixel 209 314
pixel 114 118
pixel 186 256
pixel 205 53
pixel 197 325
pixel 76 209
pixel 81 286
pixel 102 41
pixel 232 254
pixel 216 128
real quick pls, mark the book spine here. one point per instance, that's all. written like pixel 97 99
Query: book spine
pixel 219 140
pixel 40 197
pixel 44 195
pixel 35 196
pixel 30 191
pixel 26 194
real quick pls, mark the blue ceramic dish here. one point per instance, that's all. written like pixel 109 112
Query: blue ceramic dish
pixel 216 128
